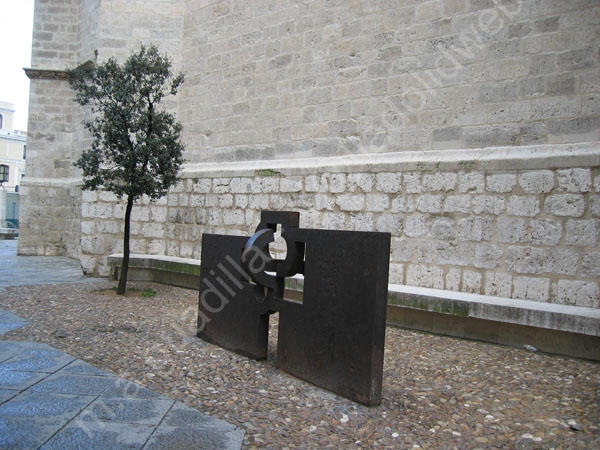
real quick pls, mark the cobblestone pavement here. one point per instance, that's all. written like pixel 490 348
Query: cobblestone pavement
pixel 438 392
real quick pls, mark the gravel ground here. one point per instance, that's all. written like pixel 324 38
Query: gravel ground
pixel 438 392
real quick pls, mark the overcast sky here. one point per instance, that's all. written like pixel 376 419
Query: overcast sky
pixel 16 22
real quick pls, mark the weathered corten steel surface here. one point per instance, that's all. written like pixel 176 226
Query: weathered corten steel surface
pixel 334 337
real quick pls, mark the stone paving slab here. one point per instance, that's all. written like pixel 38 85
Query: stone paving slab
pixel 10 321
pixel 51 400
pixel 143 411
pixel 25 432
pixel 24 270
pixel 7 394
pixel 60 383
pixel 16 380
pixel 101 436
pixel 37 360
pixel 45 405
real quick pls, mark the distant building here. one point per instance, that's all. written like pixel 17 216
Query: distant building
pixel 13 150
pixel 12 147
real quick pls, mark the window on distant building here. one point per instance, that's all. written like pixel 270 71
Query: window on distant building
pixel 1 121
pixel 3 173
pixel 24 151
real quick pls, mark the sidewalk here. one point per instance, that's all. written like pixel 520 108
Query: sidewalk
pixel 22 270
pixel 51 400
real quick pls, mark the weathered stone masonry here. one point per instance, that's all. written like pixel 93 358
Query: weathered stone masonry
pixel 469 129
pixel 521 232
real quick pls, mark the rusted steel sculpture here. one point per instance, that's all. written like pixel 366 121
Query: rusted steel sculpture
pixel 334 337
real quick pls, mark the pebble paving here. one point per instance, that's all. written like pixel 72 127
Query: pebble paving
pixel 438 392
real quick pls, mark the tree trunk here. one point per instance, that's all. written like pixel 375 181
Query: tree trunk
pixel 125 263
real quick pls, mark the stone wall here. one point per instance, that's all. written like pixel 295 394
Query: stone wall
pixel 50 132
pixel 460 126
pixel 287 79
pixel 50 218
pixel 499 226
pixel 67 33
pixel 55 34
pixel 49 201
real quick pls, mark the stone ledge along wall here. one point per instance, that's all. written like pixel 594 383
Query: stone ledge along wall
pixel 469 129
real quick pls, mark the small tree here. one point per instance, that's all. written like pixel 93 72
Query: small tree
pixel 136 148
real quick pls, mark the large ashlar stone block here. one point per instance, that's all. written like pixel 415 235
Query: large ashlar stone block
pixel 545 232
pixel 561 260
pixel 364 182
pixel 471 182
pixel 530 288
pixel 486 204
pixel 523 206
pixel 565 205
pixel 457 204
pixel 415 225
pixel 580 293
pixel 445 181
pixel 498 284
pixel 475 229
pixel 486 256
pixel 537 182
pixel 424 276
pixel 501 183
pixel 525 259
pixel 512 230
pixel 574 180
pixel 582 232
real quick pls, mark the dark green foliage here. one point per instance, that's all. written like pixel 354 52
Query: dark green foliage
pixel 149 293
pixel 136 148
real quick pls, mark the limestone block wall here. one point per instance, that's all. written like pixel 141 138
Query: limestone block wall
pixel 49 198
pixel 125 24
pixel 50 127
pixel 286 79
pixel 67 33
pixel 55 33
pixel 50 137
pixel 50 218
pixel 460 126
pixel 520 228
